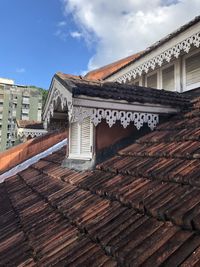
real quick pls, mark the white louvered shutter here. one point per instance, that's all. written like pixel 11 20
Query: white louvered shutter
pixel 168 81
pixel 85 137
pixel 80 143
pixel 192 65
pixel 152 81
pixel 74 138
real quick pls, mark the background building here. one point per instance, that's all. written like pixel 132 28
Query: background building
pixel 172 63
pixel 16 102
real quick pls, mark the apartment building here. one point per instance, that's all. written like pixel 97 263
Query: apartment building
pixel 16 102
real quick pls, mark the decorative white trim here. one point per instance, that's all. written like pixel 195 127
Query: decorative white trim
pixel 21 132
pixel 166 56
pixel 58 92
pixel 111 116
pixel 122 105
pixel 159 73
pixel 84 106
pixel 54 100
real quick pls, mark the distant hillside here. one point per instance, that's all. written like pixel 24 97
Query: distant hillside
pixel 44 93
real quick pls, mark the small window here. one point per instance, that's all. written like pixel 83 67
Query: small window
pixel 80 139
pixel 192 68
pixel 152 81
pixel 168 82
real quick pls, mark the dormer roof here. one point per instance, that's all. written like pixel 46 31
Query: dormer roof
pixel 80 97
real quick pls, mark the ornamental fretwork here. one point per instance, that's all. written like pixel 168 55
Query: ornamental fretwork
pixel 78 114
pixel 54 100
pixel 166 56
pixel 111 116
pixel 30 133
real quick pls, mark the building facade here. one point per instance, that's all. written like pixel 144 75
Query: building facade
pixel 16 102
pixel 28 129
pixel 173 63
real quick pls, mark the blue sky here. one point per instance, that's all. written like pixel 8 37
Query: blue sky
pixel 36 42
pixel 41 37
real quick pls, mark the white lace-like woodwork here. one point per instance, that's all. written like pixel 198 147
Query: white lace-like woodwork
pixel 166 56
pixel 21 133
pixel 78 114
pixel 31 134
pixel 111 116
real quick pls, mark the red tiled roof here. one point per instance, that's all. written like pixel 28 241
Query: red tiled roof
pixel 105 71
pixel 139 208
pixel 68 76
pixel 20 153
pixel 30 124
pixel 108 70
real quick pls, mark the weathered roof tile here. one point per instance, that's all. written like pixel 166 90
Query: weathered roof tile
pixel 139 208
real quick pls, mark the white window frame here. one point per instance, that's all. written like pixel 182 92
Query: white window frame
pixel 136 80
pixel 152 73
pixel 159 71
pixel 139 79
pixel 81 155
pixel 195 85
pixel 175 75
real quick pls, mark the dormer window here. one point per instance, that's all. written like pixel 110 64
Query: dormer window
pixel 81 140
pixel 101 117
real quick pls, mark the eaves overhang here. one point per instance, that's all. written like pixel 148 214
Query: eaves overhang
pixel 79 103
pixel 167 49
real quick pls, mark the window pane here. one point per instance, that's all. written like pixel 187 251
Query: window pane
pixel 152 81
pixel 168 79
pixel 193 69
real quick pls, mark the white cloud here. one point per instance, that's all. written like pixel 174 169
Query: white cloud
pixel 20 70
pixel 120 28
pixel 76 35
pixel 61 32
pixel 62 35
pixel 61 23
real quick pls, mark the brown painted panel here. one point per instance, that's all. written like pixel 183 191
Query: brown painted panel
pixel 106 136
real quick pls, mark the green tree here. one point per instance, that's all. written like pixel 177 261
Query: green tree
pixel 43 91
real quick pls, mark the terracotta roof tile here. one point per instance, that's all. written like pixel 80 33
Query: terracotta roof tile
pixel 105 71
pixel 112 90
pixel 139 208
pixel 108 70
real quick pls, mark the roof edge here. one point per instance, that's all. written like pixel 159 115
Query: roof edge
pixel 160 42
pixel 25 164
pixel 30 148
